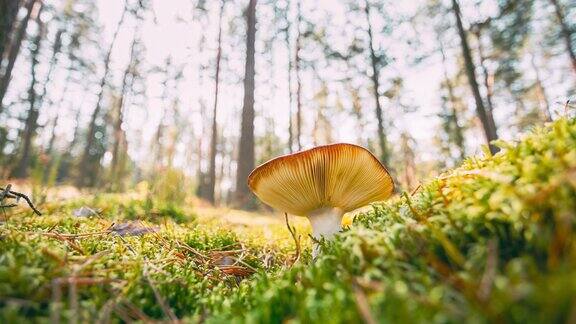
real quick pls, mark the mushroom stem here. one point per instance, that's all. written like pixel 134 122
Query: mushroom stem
pixel 325 223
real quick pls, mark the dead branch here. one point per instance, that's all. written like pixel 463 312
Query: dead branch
pixel 161 301
pixel 6 193
pixel 362 304
pixel 296 238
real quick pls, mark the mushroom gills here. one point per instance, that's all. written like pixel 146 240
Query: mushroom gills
pixel 326 222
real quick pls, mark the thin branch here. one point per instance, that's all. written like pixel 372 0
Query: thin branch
pixel 7 193
pixel 295 237
pixel 161 301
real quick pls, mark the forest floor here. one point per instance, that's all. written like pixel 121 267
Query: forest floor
pixel 490 241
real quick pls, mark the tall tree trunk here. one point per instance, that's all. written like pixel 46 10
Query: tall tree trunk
pixel 566 32
pixel 458 132
pixel 76 135
pixel 56 47
pixel 298 80
pixel 354 94
pixel 86 174
pixel 409 161
pixel 246 153
pixel 384 156
pixel 210 196
pixel 52 140
pixel 119 135
pixel 8 14
pixel 15 44
pixel 201 176
pixel 290 96
pixel 221 173
pixel 488 79
pixel 488 124
pixel 543 102
pixel 21 170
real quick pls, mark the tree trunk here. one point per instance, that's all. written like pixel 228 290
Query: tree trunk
pixel 486 119
pixel 15 44
pixel 487 78
pixel 246 153
pixel 298 81
pixel 57 46
pixel 543 102
pixel 86 174
pixel 290 96
pixel 566 32
pixel 384 156
pixel 8 14
pixel 52 140
pixel 200 191
pixel 409 161
pixel 354 94
pixel 119 135
pixel 210 196
pixel 458 132
pixel 21 170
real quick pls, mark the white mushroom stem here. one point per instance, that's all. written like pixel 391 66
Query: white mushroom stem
pixel 325 223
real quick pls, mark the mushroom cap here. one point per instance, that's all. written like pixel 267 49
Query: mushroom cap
pixel 341 175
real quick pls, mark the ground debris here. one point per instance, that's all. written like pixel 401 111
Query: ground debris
pixel 135 228
pixel 84 211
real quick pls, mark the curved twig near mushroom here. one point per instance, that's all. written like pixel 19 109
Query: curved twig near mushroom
pixel 322 184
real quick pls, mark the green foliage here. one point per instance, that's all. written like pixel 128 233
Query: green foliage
pixel 491 241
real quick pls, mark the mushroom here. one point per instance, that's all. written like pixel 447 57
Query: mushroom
pixel 322 184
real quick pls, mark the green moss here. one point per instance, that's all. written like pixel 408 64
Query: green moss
pixel 491 241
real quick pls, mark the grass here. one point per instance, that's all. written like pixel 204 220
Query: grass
pixel 490 241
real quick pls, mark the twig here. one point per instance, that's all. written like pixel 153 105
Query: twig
pixel 2 195
pixel 167 310
pixel 292 231
pixel 7 193
pixel 362 304
pixel 68 236
pixel 161 301
pixel 416 189
pixel 487 280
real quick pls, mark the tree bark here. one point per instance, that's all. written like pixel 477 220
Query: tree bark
pixel 210 194
pixel 119 135
pixel 15 44
pixel 298 81
pixel 409 161
pixel 486 119
pixel 458 133
pixel 56 47
pixel 52 140
pixel 384 156
pixel 85 177
pixel 246 154
pixel 290 96
pixel 543 102
pixel 8 14
pixel 566 32
pixel 21 170
pixel 487 78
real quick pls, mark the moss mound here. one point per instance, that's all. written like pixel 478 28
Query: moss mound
pixel 491 241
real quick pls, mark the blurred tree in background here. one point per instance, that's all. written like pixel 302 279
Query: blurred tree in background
pixel 106 95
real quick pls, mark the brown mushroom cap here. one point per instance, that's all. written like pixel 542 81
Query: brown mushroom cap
pixel 344 176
